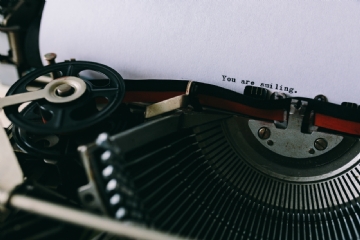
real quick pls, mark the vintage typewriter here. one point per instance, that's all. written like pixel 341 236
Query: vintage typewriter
pixel 91 155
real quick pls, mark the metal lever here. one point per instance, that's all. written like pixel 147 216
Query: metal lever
pixel 52 92
pixel 21 98
pixel 166 106
pixel 169 104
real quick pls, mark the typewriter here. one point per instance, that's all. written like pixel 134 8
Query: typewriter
pixel 100 150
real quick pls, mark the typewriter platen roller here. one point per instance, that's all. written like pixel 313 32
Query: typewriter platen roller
pixel 174 159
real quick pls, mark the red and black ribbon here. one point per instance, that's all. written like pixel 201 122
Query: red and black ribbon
pixel 326 115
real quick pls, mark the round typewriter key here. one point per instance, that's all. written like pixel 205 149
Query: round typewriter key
pixel 115 199
pixel 120 213
pixel 105 156
pixel 108 171
pixel 112 185
pixel 76 114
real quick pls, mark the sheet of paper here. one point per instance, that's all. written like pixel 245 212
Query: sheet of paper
pixel 8 73
pixel 4 44
pixel 3 119
pixel 302 48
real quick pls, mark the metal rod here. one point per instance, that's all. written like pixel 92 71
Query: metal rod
pixel 86 219
pixel 9 29
pixel 22 97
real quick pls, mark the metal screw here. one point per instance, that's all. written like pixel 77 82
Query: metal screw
pixel 64 90
pixel 264 133
pixel 311 151
pixel 50 58
pixel 270 143
pixel 320 144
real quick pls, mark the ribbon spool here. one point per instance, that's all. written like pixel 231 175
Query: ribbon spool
pixel 76 115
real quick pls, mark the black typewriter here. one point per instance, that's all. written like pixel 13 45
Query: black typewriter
pixel 90 155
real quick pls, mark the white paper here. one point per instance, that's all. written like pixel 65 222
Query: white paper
pixel 3 119
pixel 4 44
pixel 309 47
pixel 8 73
